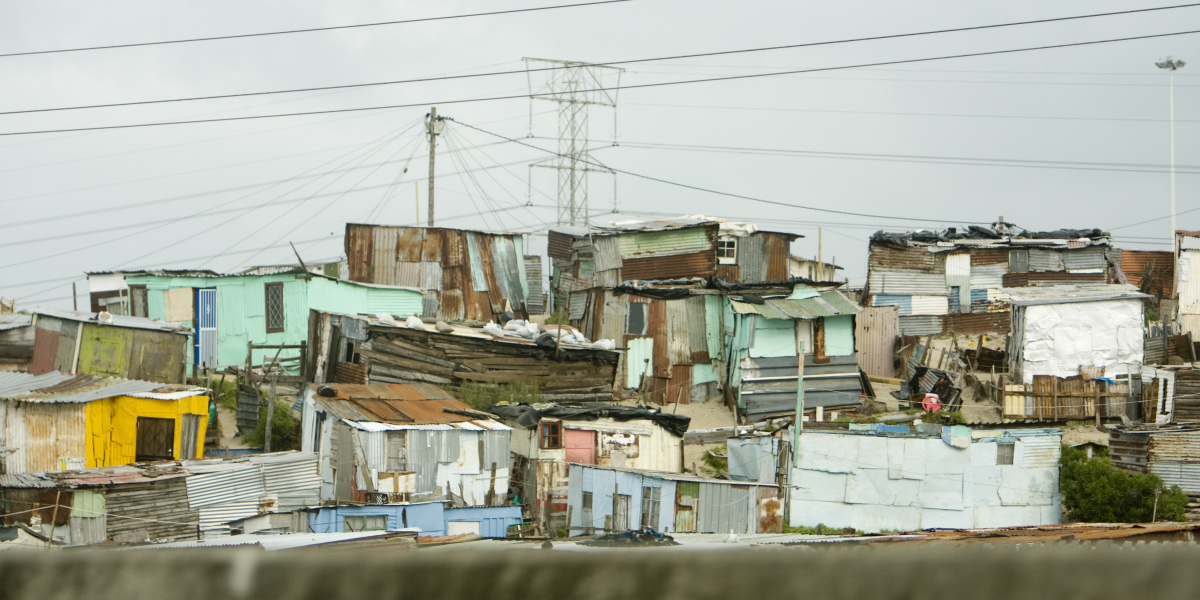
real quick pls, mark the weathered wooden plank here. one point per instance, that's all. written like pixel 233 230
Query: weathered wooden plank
pixel 398 350
pixel 393 361
pixel 386 375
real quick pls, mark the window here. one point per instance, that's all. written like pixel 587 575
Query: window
pixel 274 297
pixel 155 439
pixel 397 459
pixel 727 250
pixel 551 435
pixel 138 298
pixel 1004 453
pixel 364 523
pixel 1018 261
pixel 635 324
pixel 650 503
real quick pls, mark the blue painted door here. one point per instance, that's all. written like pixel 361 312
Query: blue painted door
pixel 205 351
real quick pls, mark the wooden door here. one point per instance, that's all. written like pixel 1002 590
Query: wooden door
pixel 687 495
pixel 580 446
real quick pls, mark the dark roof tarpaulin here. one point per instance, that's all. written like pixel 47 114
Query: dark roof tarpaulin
pixel 528 416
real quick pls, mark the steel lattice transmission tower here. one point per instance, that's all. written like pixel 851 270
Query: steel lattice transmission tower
pixel 575 86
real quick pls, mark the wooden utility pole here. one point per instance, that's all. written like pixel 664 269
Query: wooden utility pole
pixel 417 201
pixel 75 298
pixel 433 128
pixel 820 262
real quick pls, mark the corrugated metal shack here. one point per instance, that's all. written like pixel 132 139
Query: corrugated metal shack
pixel 121 504
pixel 879 477
pixel 221 491
pixel 57 422
pixel 264 306
pixel 364 349
pixel 763 337
pixel 399 443
pixel 546 438
pixel 1170 451
pixel 603 499
pixel 16 342
pixel 1057 330
pixel 120 346
pixel 466 274
pixel 949 281
pixel 431 518
pixel 1151 271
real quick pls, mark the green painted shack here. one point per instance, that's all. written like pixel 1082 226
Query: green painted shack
pixel 264 306
pixel 108 346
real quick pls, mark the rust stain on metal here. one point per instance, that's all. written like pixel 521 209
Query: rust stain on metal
pixel 698 264
pixel 989 256
pixel 45 349
pixel 775 247
pixel 1137 264
pixel 410 242
pixel 559 245
pixel 431 248
pixel 976 323
pixel 454 250
pixel 360 251
pixel 916 258
pixel 770 511
pixel 656 327
pixel 451 306
pixel 729 273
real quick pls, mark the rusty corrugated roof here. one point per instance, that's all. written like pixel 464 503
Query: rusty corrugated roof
pixel 394 403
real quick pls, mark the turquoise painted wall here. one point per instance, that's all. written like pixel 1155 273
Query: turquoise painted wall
pixel 241 307
pixel 773 337
pixel 839 335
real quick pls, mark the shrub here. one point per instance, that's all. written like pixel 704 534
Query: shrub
pixel 1093 490
pixel 285 429
pixel 481 396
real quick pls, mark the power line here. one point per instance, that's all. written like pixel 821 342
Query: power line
pixel 910 114
pixel 985 81
pixel 626 62
pixel 720 193
pixel 315 29
pixel 628 87
pixel 950 160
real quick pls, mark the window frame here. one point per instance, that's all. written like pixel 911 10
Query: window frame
pixel 1010 454
pixel 550 435
pixel 727 247
pixel 139 292
pixel 363 520
pixel 651 506
pixel 267 287
pixel 1018 260
pixel 645 312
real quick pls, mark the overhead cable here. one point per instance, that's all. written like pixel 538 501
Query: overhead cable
pixel 627 87
pixel 611 63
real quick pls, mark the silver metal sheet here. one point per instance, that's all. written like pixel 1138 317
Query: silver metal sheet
pixel 907 283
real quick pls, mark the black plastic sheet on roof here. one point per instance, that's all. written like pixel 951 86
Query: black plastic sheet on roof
pixel 975 232
pixel 528 416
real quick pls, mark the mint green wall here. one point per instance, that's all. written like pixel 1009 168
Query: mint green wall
pixel 773 337
pixel 839 335
pixel 241 307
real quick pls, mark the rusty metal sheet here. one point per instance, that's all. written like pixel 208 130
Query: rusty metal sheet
pixel 478 306
pixel 770 510
pixel 876 330
pixel 700 264
pixel 451 306
pixel 431 248
pixel 429 304
pixel 406 274
pixel 729 273
pixel 606 253
pixel 1056 278
pixel 578 302
pixel 360 252
pixel 658 329
pixel 454 249
pixel 616 312
pixel 1159 266
pixel 776 249
pixel 697 329
pixel 679 350
pixel 917 258
pixel 45 347
pixel 907 283
pixel 559 245
pixel 1041 259
pixel 410 242
pixel 977 323
pixel 989 256
pixel 679 388
pixel 384 255
pixel 452 278
pixel 431 276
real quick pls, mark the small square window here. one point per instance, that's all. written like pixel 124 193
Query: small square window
pixel 1018 261
pixel 364 523
pixel 727 251
pixel 1005 452
pixel 274 308
pixel 551 436
pixel 636 323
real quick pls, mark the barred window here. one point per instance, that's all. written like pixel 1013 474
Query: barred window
pixel 1004 453
pixel 274 309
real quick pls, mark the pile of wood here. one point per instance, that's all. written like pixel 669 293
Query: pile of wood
pixel 1187 396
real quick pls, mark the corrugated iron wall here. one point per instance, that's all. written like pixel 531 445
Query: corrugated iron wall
pixel 1045 260
pixel 776 248
pixel 875 333
pixel 724 508
pixel 908 283
pixel 1092 257
pixel 662 243
pixel 1173 457
pixel 678 339
pixel 700 264
pixel 917 259
pixel 752 259
pixel 1160 265
pixel 922 325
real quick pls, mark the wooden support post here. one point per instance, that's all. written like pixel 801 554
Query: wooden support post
pixel 1056 398
pixel 57 498
pixel 570 513
pixel 1096 408
pixel 616 495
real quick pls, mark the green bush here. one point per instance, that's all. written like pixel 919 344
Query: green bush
pixel 1095 491
pixel 481 396
pixel 285 429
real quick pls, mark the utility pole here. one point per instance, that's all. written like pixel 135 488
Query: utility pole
pixel 1171 65
pixel 820 262
pixel 433 128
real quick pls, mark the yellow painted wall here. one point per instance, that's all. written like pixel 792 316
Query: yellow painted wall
pixel 112 426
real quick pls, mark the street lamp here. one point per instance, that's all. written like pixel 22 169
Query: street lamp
pixel 1171 65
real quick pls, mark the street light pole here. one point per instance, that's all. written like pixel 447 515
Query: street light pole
pixel 1171 65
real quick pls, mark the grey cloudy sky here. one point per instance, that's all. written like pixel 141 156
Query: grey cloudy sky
pixel 1087 125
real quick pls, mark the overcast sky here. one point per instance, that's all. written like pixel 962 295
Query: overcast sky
pixel 1071 137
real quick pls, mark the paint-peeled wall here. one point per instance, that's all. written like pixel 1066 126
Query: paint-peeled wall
pixel 1059 338
pixel 875 483
pixel 611 490
pixel 112 426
